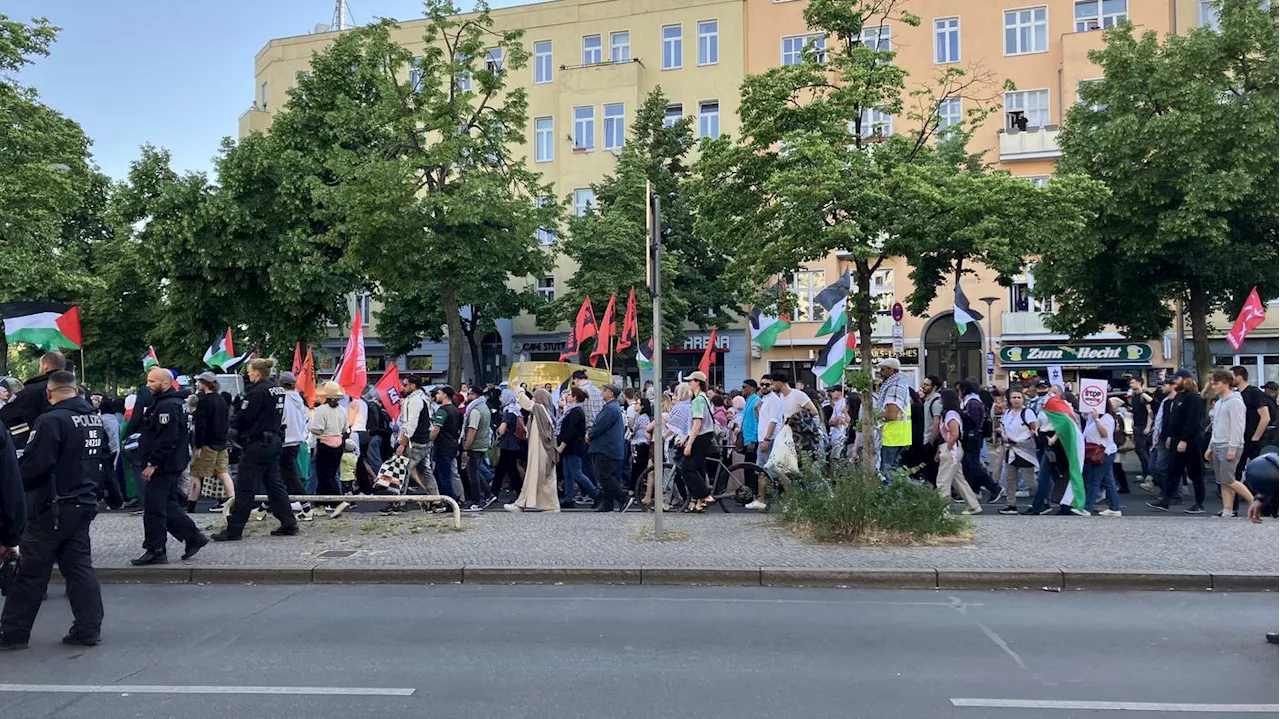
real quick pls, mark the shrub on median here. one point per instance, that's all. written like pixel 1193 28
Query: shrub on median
pixel 841 502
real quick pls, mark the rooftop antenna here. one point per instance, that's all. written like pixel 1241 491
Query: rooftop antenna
pixel 340 13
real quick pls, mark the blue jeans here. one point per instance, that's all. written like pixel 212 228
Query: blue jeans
pixel 890 460
pixel 1044 477
pixel 375 453
pixel 443 471
pixel 1098 477
pixel 1160 457
pixel 573 475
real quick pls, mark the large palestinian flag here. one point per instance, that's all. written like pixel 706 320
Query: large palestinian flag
pixel 220 352
pixel 765 329
pixel 644 354
pixel 48 325
pixel 1063 420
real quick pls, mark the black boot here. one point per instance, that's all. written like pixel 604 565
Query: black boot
pixel 225 536
pixel 195 545
pixel 82 638
pixel 150 557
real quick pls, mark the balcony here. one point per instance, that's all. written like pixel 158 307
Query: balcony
pixel 600 76
pixel 1022 323
pixel 1034 143
pixel 253 120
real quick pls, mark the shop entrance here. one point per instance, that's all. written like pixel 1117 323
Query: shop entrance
pixel 951 355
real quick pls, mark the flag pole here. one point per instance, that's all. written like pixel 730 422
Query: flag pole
pixel 84 371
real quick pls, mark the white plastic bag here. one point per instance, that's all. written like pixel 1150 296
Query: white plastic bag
pixel 782 455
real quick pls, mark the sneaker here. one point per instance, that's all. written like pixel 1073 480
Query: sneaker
pixel 1029 511
pixel 391 510
pixel 1224 514
pixel 1049 510
pixel 996 498
pixel 1110 513
pixel 306 515
pixel 217 508
pixel 1195 509
pixel 1080 512
pixel 492 498
pixel 1148 486
pixel 473 508
pixel 1161 505
pixel 1010 509
pixel 971 510
pixel 757 505
pixel 513 508
pixel 1022 494
pixel 338 510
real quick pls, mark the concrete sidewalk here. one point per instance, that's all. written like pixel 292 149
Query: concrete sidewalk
pixel 1010 552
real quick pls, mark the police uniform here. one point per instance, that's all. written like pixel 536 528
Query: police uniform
pixel 162 444
pixel 259 424
pixel 60 468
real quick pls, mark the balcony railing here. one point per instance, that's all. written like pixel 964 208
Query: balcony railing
pixel 1022 323
pixel 1034 143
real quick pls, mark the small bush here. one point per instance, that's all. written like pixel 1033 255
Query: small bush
pixel 845 503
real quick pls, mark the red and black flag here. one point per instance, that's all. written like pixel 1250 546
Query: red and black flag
pixel 583 329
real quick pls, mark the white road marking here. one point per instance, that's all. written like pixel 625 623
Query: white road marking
pixel 1118 706
pixel 147 689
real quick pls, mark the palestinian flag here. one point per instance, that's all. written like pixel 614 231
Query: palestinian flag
pixel 47 325
pixel 963 314
pixel 835 357
pixel 149 360
pixel 765 329
pixel 644 354
pixel 835 300
pixel 220 352
pixel 1063 420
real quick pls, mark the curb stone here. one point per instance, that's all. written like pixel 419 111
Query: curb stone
pixel 1245 582
pixel 551 575
pixel 850 578
pixel 701 576
pixel 251 575
pixel 327 574
pixel 1137 580
pixel 999 579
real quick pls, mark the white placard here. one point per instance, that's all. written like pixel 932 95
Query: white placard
pixel 1055 376
pixel 1093 396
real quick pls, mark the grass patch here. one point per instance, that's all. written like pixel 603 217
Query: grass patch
pixel 847 504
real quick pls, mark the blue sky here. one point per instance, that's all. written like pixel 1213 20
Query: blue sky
pixel 175 73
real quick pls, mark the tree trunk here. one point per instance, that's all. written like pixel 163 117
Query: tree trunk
pixel 469 329
pixel 453 321
pixel 1199 308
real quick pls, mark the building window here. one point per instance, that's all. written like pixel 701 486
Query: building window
pixel 946 40
pixel 583 200
pixel 672 47
pixel 464 75
pixel 547 289
pixel 584 128
pixel 876 37
pixel 546 235
pixel 263 98
pixel 615 129
pixel 806 285
pixel 366 314
pixel 674 113
pixel 708 42
pixel 415 74
pixel 1026 30
pixel 793 48
pixel 1029 108
pixel 542 62
pixel 1021 298
pixel 544 139
pixel 1096 107
pixel 1209 14
pixel 882 291
pixel 709 119
pixel 876 123
pixel 592 50
pixel 1037 180
pixel 950 115
pixel 1100 14
pixel 620 46
pixel 493 60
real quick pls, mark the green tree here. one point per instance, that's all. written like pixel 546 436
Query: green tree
pixel 607 243
pixel 411 161
pixel 1183 133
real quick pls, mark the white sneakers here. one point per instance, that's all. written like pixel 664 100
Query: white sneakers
pixel 972 510
pixel 757 505
pixel 1110 513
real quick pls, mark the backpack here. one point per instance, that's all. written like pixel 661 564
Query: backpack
pixel 521 432
pixel 971 433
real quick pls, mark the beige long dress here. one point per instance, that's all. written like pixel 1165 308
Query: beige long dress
pixel 539 489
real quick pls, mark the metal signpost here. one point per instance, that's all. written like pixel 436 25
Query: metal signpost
pixel 653 255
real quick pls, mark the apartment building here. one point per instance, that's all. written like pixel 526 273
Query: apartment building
pixel 593 62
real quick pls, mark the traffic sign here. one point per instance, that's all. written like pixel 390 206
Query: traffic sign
pixel 897 331
pixel 897 312
pixel 899 345
pixel 991 363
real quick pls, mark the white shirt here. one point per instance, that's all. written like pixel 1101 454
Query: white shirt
pixel 1091 433
pixel 778 409
pixel 411 412
pixel 1015 424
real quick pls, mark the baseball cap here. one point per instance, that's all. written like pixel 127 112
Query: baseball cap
pixel 207 377
pixel 1184 374
pixel 287 379
pixel 696 375
pixel 1271 386
pixel 1042 382
pixel 890 362
pixel 750 383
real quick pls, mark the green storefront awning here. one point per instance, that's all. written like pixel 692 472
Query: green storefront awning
pixel 1125 354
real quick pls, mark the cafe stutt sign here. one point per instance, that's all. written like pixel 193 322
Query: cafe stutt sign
pixel 1130 353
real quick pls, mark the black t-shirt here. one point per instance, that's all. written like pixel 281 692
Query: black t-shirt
pixel 1140 410
pixel 449 419
pixel 1254 399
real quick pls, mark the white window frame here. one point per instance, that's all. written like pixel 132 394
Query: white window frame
pixel 877 37
pixel 1209 15
pixel 1030 25
pixel 673 47
pixel 708 42
pixel 544 139
pixel 670 119
pixel 873 119
pixel 1088 81
pixel 415 75
pixel 615 128
pixel 543 65
pixel 807 309
pixel 584 198
pixel 546 235
pixel 948 30
pixel 1017 101
pixel 263 96
pixel 950 114
pixel 1100 19
pixel 547 288
pixel 493 60
pixel 1022 284
pixel 796 53
pixel 463 81
pixel 620 46
pixel 597 52
pixel 584 128
pixel 709 121
pixel 1036 181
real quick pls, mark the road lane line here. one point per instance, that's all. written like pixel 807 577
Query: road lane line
pixel 149 689
pixel 1118 706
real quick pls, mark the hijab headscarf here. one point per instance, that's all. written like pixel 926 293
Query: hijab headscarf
pixel 545 421
pixel 508 401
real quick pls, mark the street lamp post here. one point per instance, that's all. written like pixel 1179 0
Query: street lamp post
pixel 991 356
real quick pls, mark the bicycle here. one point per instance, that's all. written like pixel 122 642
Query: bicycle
pixel 719 474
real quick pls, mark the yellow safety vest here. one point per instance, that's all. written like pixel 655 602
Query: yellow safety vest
pixel 898 432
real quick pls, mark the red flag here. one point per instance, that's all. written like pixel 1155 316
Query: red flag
pixel 584 328
pixel 306 376
pixel 297 359
pixel 608 328
pixel 389 392
pixel 1251 315
pixel 704 366
pixel 69 325
pixel 353 377
pixel 630 332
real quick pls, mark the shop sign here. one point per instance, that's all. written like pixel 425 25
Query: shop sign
pixel 908 355
pixel 1045 355
pixel 540 347
pixel 699 342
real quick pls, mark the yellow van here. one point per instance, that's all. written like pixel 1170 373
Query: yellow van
pixel 537 374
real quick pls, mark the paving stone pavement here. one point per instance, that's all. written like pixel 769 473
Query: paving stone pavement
pixel 715 540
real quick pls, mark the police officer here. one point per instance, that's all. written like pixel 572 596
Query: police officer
pixel 259 424
pixel 1263 477
pixel 20 412
pixel 13 505
pixel 164 453
pixel 60 467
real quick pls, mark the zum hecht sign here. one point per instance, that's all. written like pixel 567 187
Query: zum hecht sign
pixel 1044 355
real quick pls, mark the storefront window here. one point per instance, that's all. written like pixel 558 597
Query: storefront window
pixel 800 371
pixel 1270 369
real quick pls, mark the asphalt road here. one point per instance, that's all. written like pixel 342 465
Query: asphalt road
pixel 621 652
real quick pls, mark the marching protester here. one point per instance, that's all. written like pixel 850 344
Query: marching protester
pixel 1139 404
pixel 210 458
pixel 415 433
pixel 329 426
pixel 446 439
pixel 605 447
pixel 1100 454
pixel 65 448
pixel 893 408
pixel 572 448
pixel 296 419
pixel 477 437
pixel 1227 441
pixel 1183 438
pixel 951 453
pixel 974 415
pixel 700 445
pixel 164 453
pixel 1258 415
pixel 1017 430
pixel 931 411
pixel 512 435
pixel 538 492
